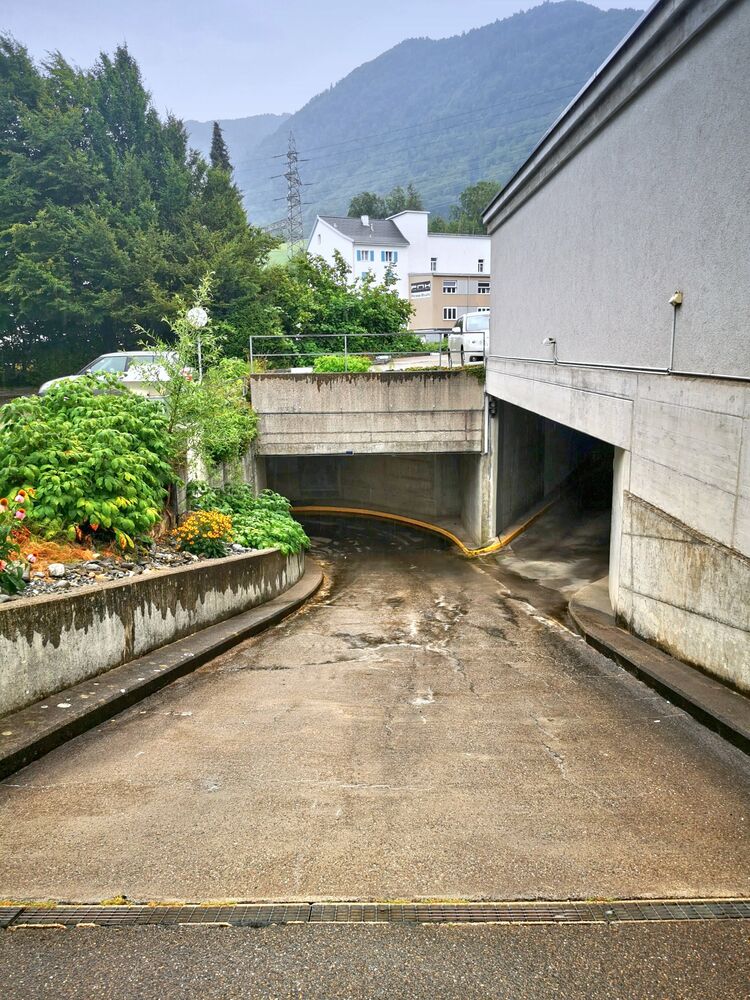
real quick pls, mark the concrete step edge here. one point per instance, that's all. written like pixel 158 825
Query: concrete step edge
pixel 716 706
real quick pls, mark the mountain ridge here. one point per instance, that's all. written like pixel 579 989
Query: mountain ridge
pixel 442 113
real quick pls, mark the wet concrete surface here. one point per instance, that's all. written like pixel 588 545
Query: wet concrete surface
pixel 631 962
pixel 414 732
pixel 565 550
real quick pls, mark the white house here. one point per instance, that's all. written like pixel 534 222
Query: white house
pixel 459 263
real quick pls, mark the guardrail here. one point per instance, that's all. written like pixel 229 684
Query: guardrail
pixel 348 339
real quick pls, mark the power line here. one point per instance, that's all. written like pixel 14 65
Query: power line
pixel 293 223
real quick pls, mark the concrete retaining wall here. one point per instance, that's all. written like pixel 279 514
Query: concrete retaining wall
pixel 376 413
pixel 417 485
pixel 47 644
pixel 685 592
pixel 429 487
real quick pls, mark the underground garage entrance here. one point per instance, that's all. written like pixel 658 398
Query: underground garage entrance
pixel 439 488
pixel 538 459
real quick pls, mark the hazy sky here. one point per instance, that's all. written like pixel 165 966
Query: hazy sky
pixel 228 58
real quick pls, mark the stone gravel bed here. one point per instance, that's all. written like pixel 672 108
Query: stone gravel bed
pixel 61 578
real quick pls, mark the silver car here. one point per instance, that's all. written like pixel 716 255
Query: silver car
pixel 140 371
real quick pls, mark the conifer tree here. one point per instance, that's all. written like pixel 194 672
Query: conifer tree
pixel 219 152
pixel 106 216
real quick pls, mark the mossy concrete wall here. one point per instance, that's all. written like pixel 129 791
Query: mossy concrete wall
pixel 685 592
pixel 50 643
pixel 386 413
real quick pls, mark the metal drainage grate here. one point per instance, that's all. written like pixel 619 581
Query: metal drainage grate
pixel 263 915
pixel 8 914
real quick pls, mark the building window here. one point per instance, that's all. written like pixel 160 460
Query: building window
pixel 449 312
pixel 320 238
pixel 450 287
pixel 389 256
pixel 366 255
pixel 483 309
pixel 433 263
pixel 483 288
pixel 480 265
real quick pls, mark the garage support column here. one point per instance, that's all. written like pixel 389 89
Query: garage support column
pixel 254 470
pixel 479 486
pixel 620 483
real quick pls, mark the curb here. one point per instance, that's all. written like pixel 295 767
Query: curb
pixel 34 731
pixel 716 706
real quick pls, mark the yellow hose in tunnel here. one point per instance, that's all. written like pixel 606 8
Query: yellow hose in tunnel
pixel 500 542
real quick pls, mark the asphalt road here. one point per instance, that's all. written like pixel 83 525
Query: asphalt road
pixel 703 961
pixel 413 733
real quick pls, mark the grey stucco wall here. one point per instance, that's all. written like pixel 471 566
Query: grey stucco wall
pixel 653 202
pixel 50 643
pixel 379 413
pixel 640 190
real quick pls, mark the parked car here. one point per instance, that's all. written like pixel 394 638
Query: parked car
pixel 138 370
pixel 469 339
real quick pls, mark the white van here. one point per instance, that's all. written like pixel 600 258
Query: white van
pixel 469 339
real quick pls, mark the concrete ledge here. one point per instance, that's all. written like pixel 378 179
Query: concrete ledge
pixel 34 731
pixel 382 413
pixel 51 643
pixel 709 701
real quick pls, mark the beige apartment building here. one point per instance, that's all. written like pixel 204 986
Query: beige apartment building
pixel 439 299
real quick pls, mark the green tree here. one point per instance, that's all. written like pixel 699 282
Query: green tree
pixel 400 200
pixel 219 155
pixel 367 203
pixel 466 217
pixel 315 298
pixel 106 218
pixel 207 415
pixel 397 200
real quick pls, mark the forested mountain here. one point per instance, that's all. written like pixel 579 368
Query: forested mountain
pixel 440 114
pixel 242 135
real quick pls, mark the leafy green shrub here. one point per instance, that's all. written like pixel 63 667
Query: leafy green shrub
pixel 205 533
pixel 210 415
pixel 228 423
pixel 96 456
pixel 261 522
pixel 341 363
